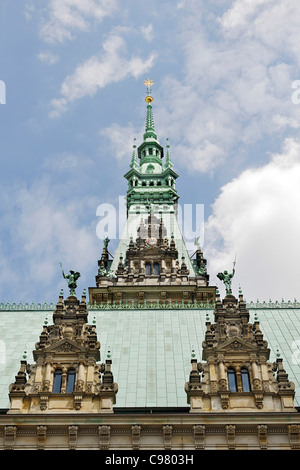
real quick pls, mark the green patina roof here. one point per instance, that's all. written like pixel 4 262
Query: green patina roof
pixel 150 348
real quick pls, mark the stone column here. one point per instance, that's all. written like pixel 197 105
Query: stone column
pixel 80 377
pixel 48 376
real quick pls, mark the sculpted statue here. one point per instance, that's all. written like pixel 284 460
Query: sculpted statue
pixel 106 242
pixel 71 278
pixel 226 277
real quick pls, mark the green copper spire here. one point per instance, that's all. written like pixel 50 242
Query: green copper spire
pixel 149 181
pixel 149 128
pixel 168 163
pixel 134 163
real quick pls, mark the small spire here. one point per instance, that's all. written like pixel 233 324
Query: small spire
pixel 168 163
pixel 134 163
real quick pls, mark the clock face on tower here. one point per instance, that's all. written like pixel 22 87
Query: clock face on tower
pixel 151 241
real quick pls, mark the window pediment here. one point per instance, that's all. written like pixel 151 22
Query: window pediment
pixel 236 344
pixel 66 345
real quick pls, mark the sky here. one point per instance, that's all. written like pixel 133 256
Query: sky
pixel 226 94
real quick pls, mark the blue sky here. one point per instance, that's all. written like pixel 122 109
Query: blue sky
pixel 225 95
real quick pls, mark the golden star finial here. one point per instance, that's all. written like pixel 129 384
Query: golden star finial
pixel 148 83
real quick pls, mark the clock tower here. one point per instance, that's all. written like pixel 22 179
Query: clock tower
pixel 151 265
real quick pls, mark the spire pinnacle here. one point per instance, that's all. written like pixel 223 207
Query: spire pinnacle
pixel 149 128
pixel 168 163
pixel 134 163
pixel 148 83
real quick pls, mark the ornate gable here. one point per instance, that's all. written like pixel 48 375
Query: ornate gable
pixel 150 261
pixel 237 374
pixel 66 375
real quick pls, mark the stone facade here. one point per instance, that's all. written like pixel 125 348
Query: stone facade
pixel 160 431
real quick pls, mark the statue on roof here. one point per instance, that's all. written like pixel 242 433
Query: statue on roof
pixel 197 243
pixel 71 278
pixel 226 277
pixel 106 242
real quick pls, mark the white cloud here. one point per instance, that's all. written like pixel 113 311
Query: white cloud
pixel 42 228
pixel 235 89
pixel 256 217
pixel 121 139
pixel 273 23
pixel 66 18
pixel 241 12
pixel 48 58
pixel 147 32
pixel 99 71
pixel 66 161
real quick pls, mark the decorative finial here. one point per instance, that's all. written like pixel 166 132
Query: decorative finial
pixel 277 352
pixel 148 83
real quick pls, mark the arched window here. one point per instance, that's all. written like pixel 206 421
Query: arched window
pixel 232 380
pixel 245 380
pixel 147 269
pixel 70 380
pixel 57 381
pixel 156 269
